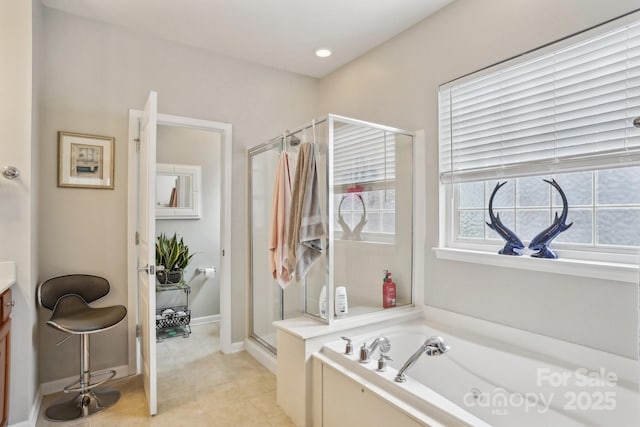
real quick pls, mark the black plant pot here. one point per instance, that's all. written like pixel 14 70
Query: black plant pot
pixel 169 277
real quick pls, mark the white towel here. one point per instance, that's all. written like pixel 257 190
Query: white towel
pixel 306 227
pixel 278 247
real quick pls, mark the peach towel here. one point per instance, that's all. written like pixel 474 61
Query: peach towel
pixel 278 248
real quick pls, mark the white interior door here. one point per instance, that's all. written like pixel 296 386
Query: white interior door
pixel 146 248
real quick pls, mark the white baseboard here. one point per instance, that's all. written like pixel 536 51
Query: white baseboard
pixel 57 385
pixel 35 411
pixel 33 415
pixel 24 424
pixel 266 358
pixel 203 320
pixel 237 347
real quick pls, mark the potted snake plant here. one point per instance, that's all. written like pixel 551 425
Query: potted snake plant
pixel 172 254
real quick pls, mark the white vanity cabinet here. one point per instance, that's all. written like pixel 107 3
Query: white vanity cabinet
pixel 346 403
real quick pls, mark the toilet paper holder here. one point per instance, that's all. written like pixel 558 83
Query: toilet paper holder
pixel 209 272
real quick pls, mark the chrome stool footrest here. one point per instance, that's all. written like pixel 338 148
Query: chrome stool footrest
pixel 82 405
pixel 73 388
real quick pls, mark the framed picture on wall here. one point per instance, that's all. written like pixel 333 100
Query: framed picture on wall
pixel 85 161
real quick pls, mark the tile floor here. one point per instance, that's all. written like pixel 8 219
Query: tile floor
pixel 197 386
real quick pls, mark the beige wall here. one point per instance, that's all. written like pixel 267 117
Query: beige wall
pixel 17 220
pixel 93 73
pixel 397 84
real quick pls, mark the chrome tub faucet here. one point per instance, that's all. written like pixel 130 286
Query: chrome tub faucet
pixel 366 352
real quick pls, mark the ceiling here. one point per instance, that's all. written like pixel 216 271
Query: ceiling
pixel 283 34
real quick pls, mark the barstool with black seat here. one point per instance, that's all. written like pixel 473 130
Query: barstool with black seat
pixel 69 297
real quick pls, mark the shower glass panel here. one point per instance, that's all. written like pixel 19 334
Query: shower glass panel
pixel 371 228
pixel 268 301
pixel 317 277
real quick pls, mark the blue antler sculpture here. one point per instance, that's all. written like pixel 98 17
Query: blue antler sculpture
pixel 513 245
pixel 541 242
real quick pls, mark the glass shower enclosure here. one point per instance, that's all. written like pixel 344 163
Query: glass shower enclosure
pixel 365 176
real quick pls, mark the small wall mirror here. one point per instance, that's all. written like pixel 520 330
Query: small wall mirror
pixel 178 191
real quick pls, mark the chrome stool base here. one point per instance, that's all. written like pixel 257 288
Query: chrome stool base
pixel 81 405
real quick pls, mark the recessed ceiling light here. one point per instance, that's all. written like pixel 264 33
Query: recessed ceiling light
pixel 323 53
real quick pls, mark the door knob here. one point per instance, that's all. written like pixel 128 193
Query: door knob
pixel 150 269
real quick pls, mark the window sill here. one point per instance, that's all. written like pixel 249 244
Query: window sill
pixel 618 272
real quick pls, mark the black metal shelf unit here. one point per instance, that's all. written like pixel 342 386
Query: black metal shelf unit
pixel 173 321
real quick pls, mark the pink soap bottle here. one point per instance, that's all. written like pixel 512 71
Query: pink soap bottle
pixel 388 291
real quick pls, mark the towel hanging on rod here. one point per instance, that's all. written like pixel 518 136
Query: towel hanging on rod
pixel 305 239
pixel 279 227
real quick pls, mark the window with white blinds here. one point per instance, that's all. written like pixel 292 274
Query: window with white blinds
pixel 564 112
pixel 568 110
pixel 362 155
pixel 364 164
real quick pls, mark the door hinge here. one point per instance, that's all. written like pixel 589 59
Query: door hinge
pixel 137 238
pixel 137 141
pixel 138 331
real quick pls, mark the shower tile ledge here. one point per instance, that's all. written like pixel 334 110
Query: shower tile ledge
pixel 7 275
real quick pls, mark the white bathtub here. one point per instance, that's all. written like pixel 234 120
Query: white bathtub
pixel 481 382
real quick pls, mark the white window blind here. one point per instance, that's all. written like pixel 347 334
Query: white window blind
pixel 362 155
pixel 571 109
